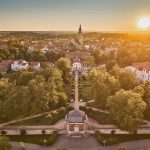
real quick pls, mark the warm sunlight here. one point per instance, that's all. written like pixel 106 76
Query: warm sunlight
pixel 144 22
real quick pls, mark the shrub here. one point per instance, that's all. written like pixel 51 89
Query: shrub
pixel 23 131
pixel 52 138
pixel 113 132
pixel 43 132
pixel 3 132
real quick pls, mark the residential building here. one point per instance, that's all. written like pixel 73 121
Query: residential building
pixel 141 70
pixel 19 64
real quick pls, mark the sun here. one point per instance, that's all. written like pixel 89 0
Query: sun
pixel 144 23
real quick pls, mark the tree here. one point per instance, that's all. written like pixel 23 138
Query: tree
pixel 5 94
pixel 146 97
pixel 18 102
pixel 62 99
pixel 146 87
pixel 4 143
pixel 110 64
pixel 64 65
pixel 38 56
pixel 53 56
pixel 103 85
pixel 139 89
pixel 128 80
pixel 90 61
pixel 40 95
pixel 97 56
pixel 23 132
pixel 116 71
pixel 25 77
pixel 126 109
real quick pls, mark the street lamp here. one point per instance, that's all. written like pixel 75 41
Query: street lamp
pixel 44 144
pixel 104 142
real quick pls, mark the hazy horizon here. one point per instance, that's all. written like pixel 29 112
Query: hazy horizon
pixel 66 15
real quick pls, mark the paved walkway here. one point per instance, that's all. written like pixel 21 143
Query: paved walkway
pixel 76 102
pixel 15 130
pixel 85 143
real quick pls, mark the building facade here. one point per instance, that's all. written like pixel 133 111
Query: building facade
pixel 141 70
pixel 76 122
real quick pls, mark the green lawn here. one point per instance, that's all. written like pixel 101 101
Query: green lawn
pixel 85 90
pixel 86 93
pixel 50 119
pixel 100 117
pixel 36 121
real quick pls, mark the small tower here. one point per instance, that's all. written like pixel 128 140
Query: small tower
pixel 80 29
pixel 80 37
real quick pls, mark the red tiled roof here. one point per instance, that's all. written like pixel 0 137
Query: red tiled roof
pixel 5 64
pixel 142 65
pixel 34 63
pixel 80 55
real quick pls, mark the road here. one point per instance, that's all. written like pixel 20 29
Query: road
pixel 85 143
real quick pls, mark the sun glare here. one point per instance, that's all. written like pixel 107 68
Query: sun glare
pixel 144 23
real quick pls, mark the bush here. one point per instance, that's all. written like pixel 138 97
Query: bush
pixel 113 132
pixel 43 132
pixel 23 131
pixel 4 143
pixel 52 138
pixel 3 132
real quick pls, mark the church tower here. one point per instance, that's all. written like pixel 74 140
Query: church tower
pixel 80 29
pixel 80 36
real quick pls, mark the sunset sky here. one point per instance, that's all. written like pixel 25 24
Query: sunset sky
pixel 66 15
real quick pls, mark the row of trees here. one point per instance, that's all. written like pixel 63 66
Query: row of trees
pixel 16 51
pixel 124 56
pixel 121 92
pixel 33 91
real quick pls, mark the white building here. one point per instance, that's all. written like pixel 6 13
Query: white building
pixel 76 66
pixel 141 70
pixel 19 64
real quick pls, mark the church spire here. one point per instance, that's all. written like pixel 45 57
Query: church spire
pixel 80 29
